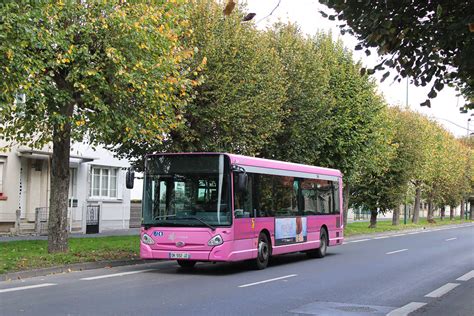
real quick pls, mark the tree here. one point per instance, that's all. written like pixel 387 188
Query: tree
pixel 240 91
pixel 423 40
pixel 334 114
pixel 386 189
pixel 111 72
pixel 454 184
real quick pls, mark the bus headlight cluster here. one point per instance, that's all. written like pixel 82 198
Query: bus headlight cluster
pixel 147 240
pixel 215 241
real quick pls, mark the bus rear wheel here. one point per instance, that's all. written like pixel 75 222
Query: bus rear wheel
pixel 188 264
pixel 323 246
pixel 263 252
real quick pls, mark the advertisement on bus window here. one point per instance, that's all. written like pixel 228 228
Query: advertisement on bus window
pixel 290 230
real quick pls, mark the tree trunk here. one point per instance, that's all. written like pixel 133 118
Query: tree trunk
pixel 471 210
pixel 416 210
pixel 57 228
pixel 443 211
pixel 430 211
pixel 451 212
pixel 345 202
pixel 373 219
pixel 461 215
pixel 396 215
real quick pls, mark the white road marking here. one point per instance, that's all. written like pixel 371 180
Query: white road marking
pixel 398 235
pixel 382 237
pixel 451 239
pixel 20 288
pixel 113 275
pixel 467 276
pixel 396 251
pixel 442 290
pixel 407 309
pixel 360 240
pixel 270 280
pixel 413 233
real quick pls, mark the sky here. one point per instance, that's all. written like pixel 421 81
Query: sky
pixel 444 108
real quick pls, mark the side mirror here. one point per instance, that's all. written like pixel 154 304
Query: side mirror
pixel 129 178
pixel 242 181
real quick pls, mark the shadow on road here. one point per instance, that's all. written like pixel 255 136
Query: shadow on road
pixel 230 268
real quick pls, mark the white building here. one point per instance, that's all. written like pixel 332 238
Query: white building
pixel 98 199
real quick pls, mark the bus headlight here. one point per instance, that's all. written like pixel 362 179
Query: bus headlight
pixel 147 240
pixel 215 241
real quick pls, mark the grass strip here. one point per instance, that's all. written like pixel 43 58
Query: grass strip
pixel 362 228
pixel 33 254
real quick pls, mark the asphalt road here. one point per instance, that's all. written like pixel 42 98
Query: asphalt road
pixel 429 273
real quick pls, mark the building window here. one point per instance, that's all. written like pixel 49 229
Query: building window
pixel 73 187
pixel 2 164
pixel 104 182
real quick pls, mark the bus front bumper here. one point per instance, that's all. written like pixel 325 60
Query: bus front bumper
pixel 224 252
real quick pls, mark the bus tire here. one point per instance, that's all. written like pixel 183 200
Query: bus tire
pixel 187 264
pixel 323 246
pixel 263 252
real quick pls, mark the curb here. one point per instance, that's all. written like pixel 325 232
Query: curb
pixel 68 268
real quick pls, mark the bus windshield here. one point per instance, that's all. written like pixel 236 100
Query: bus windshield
pixel 187 190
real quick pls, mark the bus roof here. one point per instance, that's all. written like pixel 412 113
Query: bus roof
pixel 266 163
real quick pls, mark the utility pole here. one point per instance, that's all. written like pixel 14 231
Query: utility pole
pixel 405 209
pixel 467 142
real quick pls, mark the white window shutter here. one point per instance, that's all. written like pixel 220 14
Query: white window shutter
pixel 1 176
pixel 89 181
pixel 120 183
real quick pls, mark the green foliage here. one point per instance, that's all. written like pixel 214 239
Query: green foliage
pixel 239 95
pixel 424 40
pixel 333 114
pixel 112 70
pixel 425 156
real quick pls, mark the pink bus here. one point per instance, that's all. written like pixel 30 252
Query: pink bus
pixel 224 207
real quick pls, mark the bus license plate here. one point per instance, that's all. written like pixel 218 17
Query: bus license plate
pixel 179 255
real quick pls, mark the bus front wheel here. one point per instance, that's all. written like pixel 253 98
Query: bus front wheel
pixel 263 252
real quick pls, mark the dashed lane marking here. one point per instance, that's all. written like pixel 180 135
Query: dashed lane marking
pixel 442 290
pixel 407 309
pixel 467 276
pixel 396 251
pixel 114 275
pixel 269 280
pixel 21 288
pixel 451 239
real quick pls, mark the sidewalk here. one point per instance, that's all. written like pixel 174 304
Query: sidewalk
pixel 118 232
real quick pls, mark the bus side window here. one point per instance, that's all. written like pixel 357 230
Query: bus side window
pixel 264 203
pixel 309 196
pixel 284 196
pixel 335 186
pixel 243 200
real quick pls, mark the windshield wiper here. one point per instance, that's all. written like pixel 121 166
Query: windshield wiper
pixel 164 216
pixel 199 219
